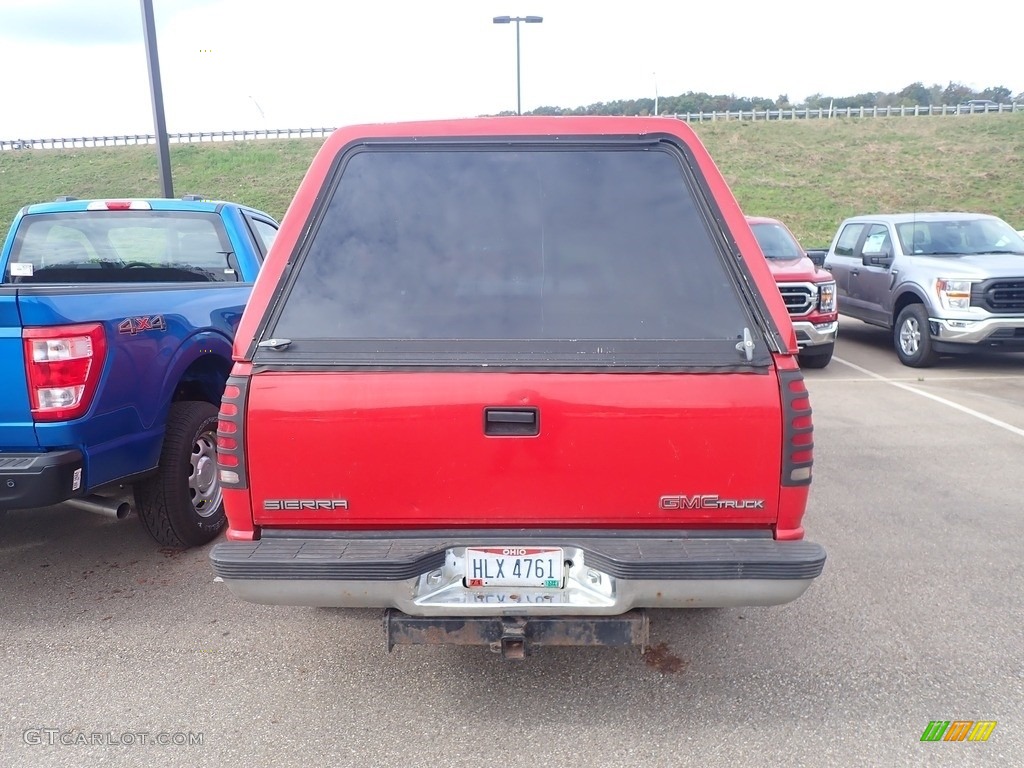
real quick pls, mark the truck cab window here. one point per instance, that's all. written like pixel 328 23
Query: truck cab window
pixel 848 239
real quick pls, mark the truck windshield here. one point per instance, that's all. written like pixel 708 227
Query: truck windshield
pixel 957 237
pixel 776 242
pixel 534 243
pixel 121 246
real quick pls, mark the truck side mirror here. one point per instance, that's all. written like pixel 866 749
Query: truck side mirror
pixel 877 258
pixel 817 256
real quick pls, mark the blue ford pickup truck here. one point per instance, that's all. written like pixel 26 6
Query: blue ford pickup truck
pixel 116 324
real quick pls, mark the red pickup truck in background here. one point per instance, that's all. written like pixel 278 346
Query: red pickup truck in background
pixel 513 381
pixel 809 291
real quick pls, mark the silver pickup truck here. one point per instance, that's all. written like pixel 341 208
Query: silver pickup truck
pixel 941 282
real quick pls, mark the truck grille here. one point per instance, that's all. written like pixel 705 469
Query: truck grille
pixel 799 297
pixel 999 296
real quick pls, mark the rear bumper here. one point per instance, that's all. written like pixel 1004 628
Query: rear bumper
pixel 810 334
pixel 611 572
pixel 39 479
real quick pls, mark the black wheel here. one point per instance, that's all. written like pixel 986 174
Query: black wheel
pixel 912 338
pixel 182 504
pixel 816 357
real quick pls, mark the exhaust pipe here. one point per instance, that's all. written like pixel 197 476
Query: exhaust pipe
pixel 100 505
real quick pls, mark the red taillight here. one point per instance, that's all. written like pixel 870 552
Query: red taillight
pixel 230 442
pixel 797 429
pixel 63 364
pixel 226 459
pixel 802 422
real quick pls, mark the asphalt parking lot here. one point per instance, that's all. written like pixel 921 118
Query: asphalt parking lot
pixel 919 482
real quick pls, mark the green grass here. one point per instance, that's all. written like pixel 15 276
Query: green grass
pixel 263 174
pixel 809 173
pixel 814 173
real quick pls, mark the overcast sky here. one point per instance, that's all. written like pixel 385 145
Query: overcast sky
pixel 78 67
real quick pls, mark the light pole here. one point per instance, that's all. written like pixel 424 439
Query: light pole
pixel 517 19
pixel 163 154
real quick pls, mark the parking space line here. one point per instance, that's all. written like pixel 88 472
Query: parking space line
pixel 956 406
pixel 929 379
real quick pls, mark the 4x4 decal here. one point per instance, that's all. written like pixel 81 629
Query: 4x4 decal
pixel 134 325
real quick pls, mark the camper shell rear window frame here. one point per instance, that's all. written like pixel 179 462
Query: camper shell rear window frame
pixel 525 354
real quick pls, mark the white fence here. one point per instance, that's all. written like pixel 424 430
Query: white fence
pixel 823 113
pixel 851 112
pixel 194 137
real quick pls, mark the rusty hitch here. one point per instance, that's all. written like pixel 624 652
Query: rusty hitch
pixel 514 636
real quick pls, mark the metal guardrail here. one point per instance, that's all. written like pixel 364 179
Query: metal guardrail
pixel 198 137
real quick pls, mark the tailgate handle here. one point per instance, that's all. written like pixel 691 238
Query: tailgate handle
pixel 511 421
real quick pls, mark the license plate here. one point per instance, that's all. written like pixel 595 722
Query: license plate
pixel 514 567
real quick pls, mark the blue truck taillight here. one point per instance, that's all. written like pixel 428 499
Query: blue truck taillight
pixel 797 429
pixel 63 365
pixel 230 434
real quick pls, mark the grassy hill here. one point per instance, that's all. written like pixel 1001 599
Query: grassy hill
pixel 810 173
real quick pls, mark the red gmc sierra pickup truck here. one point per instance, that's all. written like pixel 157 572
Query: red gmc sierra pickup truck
pixel 513 381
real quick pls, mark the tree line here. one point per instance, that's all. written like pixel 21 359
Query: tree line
pixel 915 94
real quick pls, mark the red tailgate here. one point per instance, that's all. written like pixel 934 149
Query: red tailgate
pixel 611 450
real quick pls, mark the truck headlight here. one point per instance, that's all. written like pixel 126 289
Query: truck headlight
pixel 954 294
pixel 827 297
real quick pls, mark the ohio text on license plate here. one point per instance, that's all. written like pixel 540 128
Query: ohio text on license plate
pixel 514 567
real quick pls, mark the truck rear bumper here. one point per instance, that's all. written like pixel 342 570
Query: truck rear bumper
pixel 810 334
pixel 39 479
pixel 1004 331
pixel 606 573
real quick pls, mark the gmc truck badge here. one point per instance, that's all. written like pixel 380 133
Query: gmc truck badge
pixel 708 501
